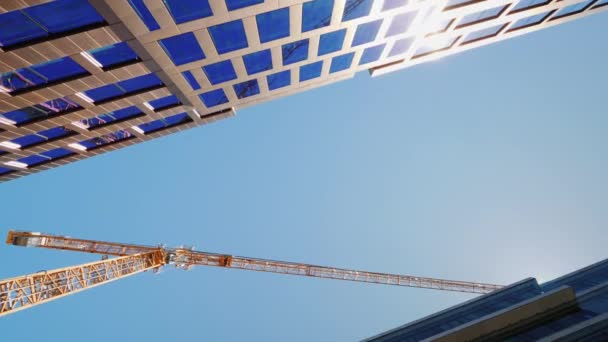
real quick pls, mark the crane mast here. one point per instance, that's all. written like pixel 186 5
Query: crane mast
pixel 26 291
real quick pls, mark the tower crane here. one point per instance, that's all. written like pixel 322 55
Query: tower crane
pixel 128 259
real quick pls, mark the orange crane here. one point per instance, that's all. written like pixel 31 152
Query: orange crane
pixel 26 291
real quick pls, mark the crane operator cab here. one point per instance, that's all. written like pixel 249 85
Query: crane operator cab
pixel 170 258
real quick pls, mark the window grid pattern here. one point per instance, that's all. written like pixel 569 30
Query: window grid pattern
pixel 41 134
pixel 326 31
pixel 264 62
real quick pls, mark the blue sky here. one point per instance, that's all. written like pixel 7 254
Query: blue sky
pixel 487 166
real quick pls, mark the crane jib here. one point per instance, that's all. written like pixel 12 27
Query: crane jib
pixel 128 259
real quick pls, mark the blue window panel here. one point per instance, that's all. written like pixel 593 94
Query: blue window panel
pixel 229 36
pixel 56 132
pixel 45 157
pixel 310 71
pixel 481 16
pixel 316 14
pixel 20 79
pixel 59 69
pixel 400 46
pixel 42 136
pixel 481 34
pixel 529 21
pixel 104 92
pixel 273 25
pixel 354 9
pixel 236 4
pixel 295 52
pixel 115 54
pixel 220 72
pixel 57 153
pixel 40 111
pixel 41 74
pixel 572 9
pixel 107 139
pixel 457 3
pixel 601 3
pixel 246 89
pixel 126 113
pixel 400 24
pixel 440 46
pixel 16 27
pixel 366 32
pixel 33 160
pixel 440 26
pixel 144 14
pixel 392 4
pixel 258 61
pixel 184 11
pixel 340 63
pixel 64 15
pixel 371 54
pixel 28 140
pixel 182 49
pixel 111 117
pixel 331 42
pixel 164 102
pixel 126 87
pixel 59 105
pixel 177 119
pixel 140 83
pixel 214 98
pixel 152 126
pixel 3 170
pixel 98 121
pixel 525 4
pixel 191 80
pixel 279 80
pixel 163 123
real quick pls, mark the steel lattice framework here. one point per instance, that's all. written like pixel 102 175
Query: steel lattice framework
pixel 26 291
pixel 46 122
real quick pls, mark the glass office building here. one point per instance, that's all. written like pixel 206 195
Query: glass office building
pixel 571 308
pixel 79 77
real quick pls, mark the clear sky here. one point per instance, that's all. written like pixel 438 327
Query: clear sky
pixel 486 166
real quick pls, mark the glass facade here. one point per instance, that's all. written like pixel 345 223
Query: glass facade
pixel 113 55
pixel 590 284
pixel 124 88
pixel 106 119
pixel 217 55
pixel 46 20
pixel 273 25
pixel 183 11
pixel 160 124
pixel 183 48
pixel 229 36
pixel 40 75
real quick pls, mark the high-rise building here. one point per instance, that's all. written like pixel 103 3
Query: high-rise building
pixel 79 77
pixel 570 308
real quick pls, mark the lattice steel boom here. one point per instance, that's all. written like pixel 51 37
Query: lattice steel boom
pixel 26 291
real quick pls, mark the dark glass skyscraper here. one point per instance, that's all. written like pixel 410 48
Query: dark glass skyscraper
pixel 570 308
